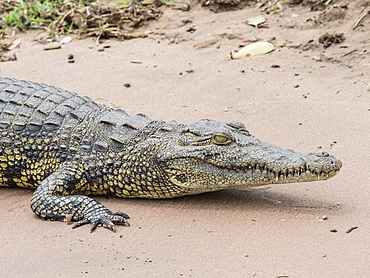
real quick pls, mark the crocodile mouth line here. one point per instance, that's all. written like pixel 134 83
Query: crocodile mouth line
pixel 302 172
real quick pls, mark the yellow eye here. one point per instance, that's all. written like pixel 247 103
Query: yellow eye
pixel 221 139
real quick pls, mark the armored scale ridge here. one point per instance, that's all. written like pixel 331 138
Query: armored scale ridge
pixel 68 147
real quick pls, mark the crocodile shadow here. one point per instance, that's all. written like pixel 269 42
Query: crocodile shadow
pixel 243 200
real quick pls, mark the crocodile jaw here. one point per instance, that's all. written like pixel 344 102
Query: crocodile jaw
pixel 202 173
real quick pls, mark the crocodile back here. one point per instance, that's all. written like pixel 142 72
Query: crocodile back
pixel 28 107
pixel 40 127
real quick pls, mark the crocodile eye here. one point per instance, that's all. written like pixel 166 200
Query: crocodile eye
pixel 221 139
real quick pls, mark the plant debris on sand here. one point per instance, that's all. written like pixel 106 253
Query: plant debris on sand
pixel 84 17
pixel 101 20
pixel 95 18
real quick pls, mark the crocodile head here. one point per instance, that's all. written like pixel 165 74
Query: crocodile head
pixel 208 156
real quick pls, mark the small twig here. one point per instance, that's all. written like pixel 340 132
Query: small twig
pixel 360 19
pixel 351 229
pixel 348 53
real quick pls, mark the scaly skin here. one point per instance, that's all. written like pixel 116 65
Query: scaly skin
pixel 68 147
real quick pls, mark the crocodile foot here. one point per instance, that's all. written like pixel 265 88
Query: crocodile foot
pixel 103 217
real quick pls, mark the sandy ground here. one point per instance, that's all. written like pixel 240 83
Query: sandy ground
pixel 270 231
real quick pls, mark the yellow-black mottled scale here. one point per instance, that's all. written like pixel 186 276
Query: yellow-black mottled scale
pixel 64 145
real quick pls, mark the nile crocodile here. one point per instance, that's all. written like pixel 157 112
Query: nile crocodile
pixel 67 147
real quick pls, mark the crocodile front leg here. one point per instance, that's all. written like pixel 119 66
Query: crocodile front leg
pixel 54 200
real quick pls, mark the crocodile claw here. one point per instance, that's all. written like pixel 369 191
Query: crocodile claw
pixel 107 220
